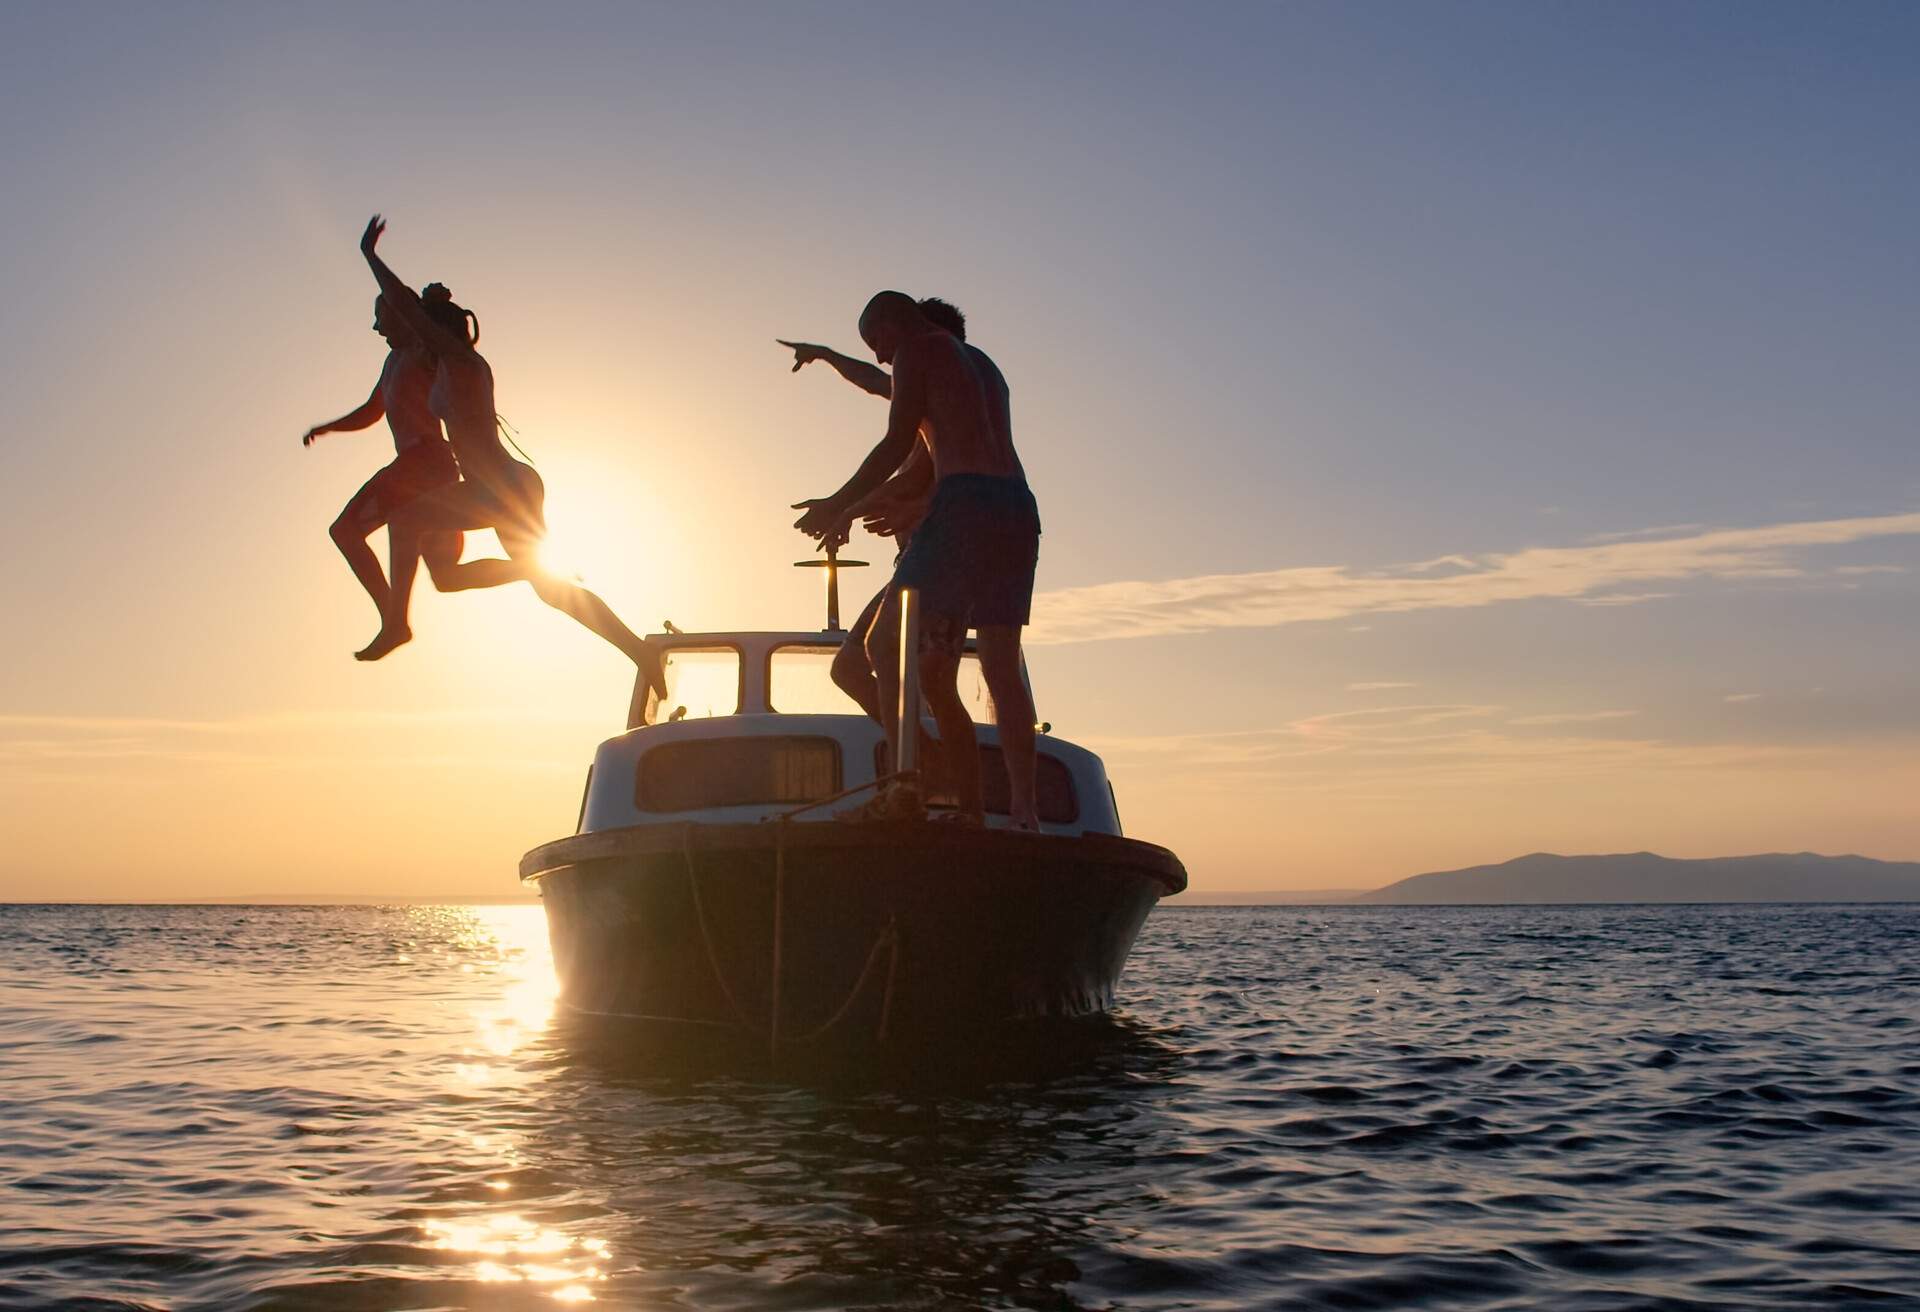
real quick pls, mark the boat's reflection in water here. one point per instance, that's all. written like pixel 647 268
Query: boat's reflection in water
pixel 957 1176
pixel 635 1166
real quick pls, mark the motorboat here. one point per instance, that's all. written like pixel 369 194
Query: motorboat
pixel 713 882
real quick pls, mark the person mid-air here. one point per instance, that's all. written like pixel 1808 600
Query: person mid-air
pixel 422 459
pixel 496 491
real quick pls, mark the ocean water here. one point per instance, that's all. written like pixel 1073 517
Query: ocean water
pixel 1514 1108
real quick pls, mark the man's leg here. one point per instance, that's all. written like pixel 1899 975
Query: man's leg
pixel 958 758
pixel 453 507
pixel 351 538
pixel 853 668
pixel 883 656
pixel 363 513
pixel 1013 712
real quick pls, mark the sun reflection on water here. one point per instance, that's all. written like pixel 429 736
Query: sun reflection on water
pixel 514 1250
pixel 508 946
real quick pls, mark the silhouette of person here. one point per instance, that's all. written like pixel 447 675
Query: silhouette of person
pixel 891 510
pixel 496 491
pixel 972 557
pixel 422 459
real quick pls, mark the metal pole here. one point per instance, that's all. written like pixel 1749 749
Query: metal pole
pixel 833 589
pixel 907 757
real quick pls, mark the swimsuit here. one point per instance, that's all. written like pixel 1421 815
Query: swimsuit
pixel 973 556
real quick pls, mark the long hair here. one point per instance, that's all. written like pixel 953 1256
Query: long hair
pixel 437 301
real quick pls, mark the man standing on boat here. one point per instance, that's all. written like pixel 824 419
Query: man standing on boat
pixel 892 510
pixel 972 557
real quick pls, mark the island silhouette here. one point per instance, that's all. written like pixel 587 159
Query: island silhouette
pixel 1544 877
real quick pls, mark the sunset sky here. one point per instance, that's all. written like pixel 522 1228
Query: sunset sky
pixel 1460 430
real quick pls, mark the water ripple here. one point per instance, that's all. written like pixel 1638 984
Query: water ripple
pixel 1447 1108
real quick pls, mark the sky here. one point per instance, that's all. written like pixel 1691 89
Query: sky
pixel 1460 431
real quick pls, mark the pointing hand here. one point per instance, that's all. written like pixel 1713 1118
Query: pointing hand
pixel 804 352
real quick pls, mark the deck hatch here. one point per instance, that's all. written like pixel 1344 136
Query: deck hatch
pixel 763 770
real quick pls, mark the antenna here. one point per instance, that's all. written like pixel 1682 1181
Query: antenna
pixel 832 565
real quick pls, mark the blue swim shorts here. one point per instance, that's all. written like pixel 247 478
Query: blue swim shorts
pixel 973 556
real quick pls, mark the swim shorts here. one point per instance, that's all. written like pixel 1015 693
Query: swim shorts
pixel 972 558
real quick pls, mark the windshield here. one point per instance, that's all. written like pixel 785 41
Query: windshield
pixel 800 682
pixel 701 682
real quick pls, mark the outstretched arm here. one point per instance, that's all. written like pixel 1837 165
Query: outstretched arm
pixel 867 377
pixel 404 301
pixel 367 415
pixel 824 516
pixel 898 504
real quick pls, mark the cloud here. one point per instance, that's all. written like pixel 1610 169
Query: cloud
pixel 1574 717
pixel 1741 697
pixel 1378 686
pixel 1423 747
pixel 1621 598
pixel 1591 573
pixel 50 746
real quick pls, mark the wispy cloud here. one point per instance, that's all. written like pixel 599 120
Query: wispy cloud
pixel 1741 697
pixel 1378 686
pixel 1424 747
pixel 1594 573
pixel 1574 717
pixel 59 745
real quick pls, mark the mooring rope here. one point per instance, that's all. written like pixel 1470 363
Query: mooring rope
pixel 706 935
pixel 888 938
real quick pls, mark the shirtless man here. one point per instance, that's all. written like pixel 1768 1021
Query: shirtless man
pixel 892 510
pixel 972 558
pixel 422 459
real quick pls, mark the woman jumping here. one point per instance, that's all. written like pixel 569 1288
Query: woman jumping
pixel 496 491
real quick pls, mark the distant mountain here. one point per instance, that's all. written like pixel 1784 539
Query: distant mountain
pixel 1264 897
pixel 1645 877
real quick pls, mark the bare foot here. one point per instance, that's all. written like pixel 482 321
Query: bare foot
pixel 383 642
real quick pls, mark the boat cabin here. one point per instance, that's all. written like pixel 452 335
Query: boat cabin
pixel 753 727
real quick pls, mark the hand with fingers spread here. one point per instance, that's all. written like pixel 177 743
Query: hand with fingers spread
pixel 824 521
pixel 371 237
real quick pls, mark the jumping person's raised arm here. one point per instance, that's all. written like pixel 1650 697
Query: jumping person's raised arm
pixel 405 302
pixel 826 515
pixel 368 414
pixel 867 377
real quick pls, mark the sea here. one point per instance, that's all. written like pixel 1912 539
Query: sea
pixel 1582 1108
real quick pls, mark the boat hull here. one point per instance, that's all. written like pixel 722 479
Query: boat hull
pixel 834 934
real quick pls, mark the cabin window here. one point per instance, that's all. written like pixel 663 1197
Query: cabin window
pixel 761 771
pixel 800 682
pixel 1054 795
pixel 702 682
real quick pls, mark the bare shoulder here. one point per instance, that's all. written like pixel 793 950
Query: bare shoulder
pixel 984 363
pixel 930 353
